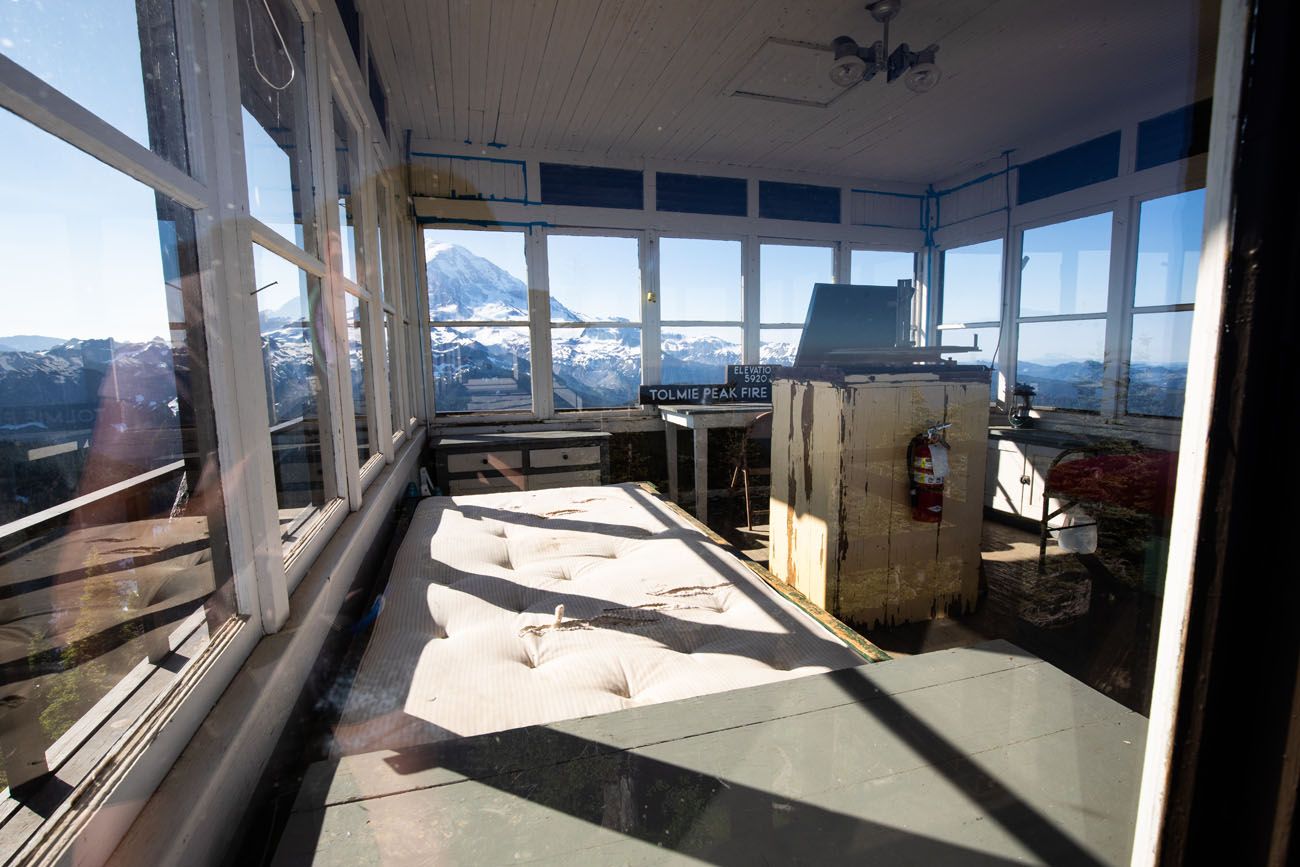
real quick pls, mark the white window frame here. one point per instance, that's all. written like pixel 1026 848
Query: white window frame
pixel 545 380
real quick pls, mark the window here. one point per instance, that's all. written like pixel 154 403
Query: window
pixel 1168 254
pixel 970 304
pixel 289 312
pixel 273 108
pixel 595 286
pixel 478 312
pixel 357 314
pixel 112 547
pixel 701 308
pixel 1064 286
pixel 787 273
pixel 881 267
pixel 346 169
pixel 133 82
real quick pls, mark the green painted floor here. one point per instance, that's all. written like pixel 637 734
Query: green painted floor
pixel 974 755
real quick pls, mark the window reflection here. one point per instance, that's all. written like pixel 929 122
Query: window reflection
pixel 111 528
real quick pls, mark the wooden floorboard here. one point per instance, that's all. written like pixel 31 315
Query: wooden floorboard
pixel 974 755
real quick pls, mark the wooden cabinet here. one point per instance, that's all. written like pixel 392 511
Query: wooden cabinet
pixel 1015 476
pixel 526 461
pixel 842 530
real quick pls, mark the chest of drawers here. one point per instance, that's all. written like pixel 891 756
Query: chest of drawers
pixel 526 461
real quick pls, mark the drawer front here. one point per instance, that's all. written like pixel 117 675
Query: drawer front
pixel 485 485
pixel 476 461
pixel 546 481
pixel 576 457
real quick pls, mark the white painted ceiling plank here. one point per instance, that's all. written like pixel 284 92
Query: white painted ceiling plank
pixel 599 35
pixel 543 20
pixel 613 68
pixel 573 20
pixel 458 16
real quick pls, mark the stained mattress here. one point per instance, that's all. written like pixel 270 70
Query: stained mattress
pixel 471 638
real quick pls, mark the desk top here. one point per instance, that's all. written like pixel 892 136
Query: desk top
pixel 982 755
pixel 713 414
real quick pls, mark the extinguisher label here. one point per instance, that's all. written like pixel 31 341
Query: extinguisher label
pixel 926 479
pixel 939 457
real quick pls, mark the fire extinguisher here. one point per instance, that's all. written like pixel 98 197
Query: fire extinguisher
pixel 927 463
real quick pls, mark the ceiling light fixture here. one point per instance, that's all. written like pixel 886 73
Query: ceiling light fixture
pixel 854 63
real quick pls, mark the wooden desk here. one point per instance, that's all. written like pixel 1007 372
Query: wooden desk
pixel 700 419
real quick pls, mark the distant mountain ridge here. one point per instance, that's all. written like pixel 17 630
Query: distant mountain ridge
pixel 29 343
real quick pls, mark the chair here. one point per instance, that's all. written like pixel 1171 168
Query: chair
pixel 754 458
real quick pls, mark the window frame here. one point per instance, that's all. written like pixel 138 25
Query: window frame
pixel 640 236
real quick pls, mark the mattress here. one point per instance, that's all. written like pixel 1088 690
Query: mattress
pixel 515 609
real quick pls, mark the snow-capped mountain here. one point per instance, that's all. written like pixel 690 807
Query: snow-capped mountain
pixel 465 287
pixel 487 368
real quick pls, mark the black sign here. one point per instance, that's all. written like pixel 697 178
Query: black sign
pixel 706 394
pixel 750 374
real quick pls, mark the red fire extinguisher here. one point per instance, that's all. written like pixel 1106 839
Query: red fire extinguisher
pixel 927 462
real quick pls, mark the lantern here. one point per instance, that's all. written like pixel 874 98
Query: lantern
pixel 1021 405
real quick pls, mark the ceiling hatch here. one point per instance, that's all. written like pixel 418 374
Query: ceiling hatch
pixel 786 70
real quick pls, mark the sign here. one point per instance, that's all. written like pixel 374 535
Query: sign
pixel 749 374
pixel 706 394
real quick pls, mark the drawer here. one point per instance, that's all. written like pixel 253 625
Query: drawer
pixel 474 461
pixel 576 457
pixel 546 481
pixel 488 485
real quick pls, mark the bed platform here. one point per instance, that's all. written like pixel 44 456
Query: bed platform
pixel 517 609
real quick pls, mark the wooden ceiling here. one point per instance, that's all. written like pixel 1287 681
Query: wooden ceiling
pixel 648 78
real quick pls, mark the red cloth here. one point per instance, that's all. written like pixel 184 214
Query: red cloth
pixel 1143 482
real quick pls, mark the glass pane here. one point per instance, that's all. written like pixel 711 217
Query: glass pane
pixel 345 161
pixel 1065 267
pixel 277 140
pixel 972 283
pixel 390 364
pixel 288 301
pixel 481 369
pixel 779 345
pixel 786 276
pixel 1063 361
pixel 383 252
pixel 1157 370
pixel 104 56
pixel 415 372
pixel 594 279
pixel 699 355
pixel 596 367
pixel 700 280
pixel 1169 249
pixel 881 267
pixel 476 276
pixel 358 317
pixel 110 501
pixel 986 339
